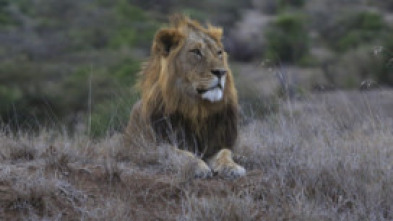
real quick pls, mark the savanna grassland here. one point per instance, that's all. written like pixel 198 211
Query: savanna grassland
pixel 324 157
pixel 314 80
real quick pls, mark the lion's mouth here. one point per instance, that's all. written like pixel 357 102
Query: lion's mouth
pixel 202 90
pixel 212 94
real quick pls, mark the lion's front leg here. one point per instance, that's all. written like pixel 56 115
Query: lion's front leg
pixel 202 170
pixel 223 164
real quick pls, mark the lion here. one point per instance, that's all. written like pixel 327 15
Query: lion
pixel 188 98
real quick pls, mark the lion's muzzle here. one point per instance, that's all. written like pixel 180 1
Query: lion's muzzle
pixel 214 91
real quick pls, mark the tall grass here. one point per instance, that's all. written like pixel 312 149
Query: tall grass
pixel 327 157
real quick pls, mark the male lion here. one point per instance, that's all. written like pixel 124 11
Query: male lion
pixel 188 98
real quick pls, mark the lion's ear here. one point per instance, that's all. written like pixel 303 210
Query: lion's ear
pixel 166 40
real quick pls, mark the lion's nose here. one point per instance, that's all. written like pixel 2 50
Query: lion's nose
pixel 219 72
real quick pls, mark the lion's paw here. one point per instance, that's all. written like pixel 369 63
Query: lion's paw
pixel 224 166
pixel 230 170
pixel 202 170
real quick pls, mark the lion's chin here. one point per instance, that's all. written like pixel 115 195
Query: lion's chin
pixel 213 95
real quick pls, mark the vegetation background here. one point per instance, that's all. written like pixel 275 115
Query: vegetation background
pixel 73 63
pixel 314 79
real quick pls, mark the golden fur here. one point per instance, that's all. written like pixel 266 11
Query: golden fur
pixel 156 85
pixel 188 97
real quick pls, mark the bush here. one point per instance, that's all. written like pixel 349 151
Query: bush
pixel 371 61
pixel 354 67
pixel 385 74
pixel 363 63
pixel 291 3
pixel 5 17
pixel 133 27
pixel 65 61
pixel 36 96
pixel 111 114
pixel 22 97
pixel 353 30
pixel 287 39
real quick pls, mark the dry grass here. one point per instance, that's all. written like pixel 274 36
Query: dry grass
pixel 326 157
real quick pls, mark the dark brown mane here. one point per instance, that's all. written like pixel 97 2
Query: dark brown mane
pixel 217 131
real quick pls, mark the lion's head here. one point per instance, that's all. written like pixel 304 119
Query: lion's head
pixel 187 72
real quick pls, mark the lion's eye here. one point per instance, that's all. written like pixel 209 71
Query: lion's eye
pixel 220 52
pixel 196 51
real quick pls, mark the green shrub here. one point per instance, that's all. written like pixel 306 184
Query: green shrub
pixel 354 30
pixel 23 96
pixel 133 27
pixel 287 39
pixel 111 114
pixel 8 96
pixel 355 66
pixel 6 19
pixel 385 71
pixel 125 72
pixel 109 91
pixel 35 98
pixel 291 3
pixel 63 56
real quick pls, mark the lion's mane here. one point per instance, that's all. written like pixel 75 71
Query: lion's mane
pixel 200 126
